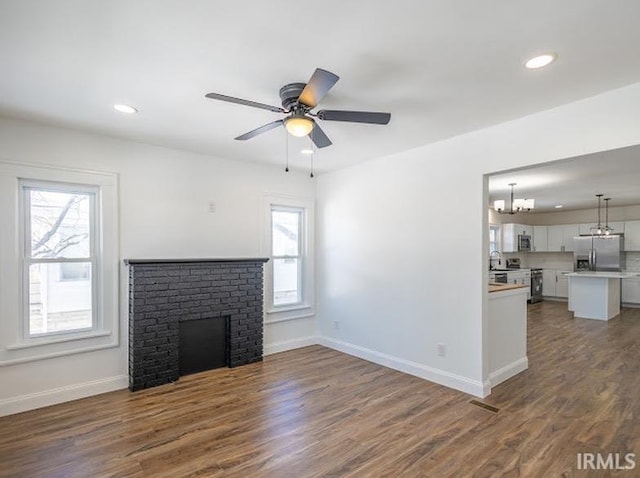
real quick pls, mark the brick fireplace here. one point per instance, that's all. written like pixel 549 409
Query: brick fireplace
pixel 166 293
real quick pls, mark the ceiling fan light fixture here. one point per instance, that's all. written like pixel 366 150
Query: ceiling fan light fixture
pixel 298 126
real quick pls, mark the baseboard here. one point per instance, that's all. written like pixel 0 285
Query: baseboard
pixel 631 305
pixel 32 401
pixel 289 345
pixel 441 377
pixel 508 371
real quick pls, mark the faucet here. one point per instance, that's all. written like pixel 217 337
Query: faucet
pixel 491 258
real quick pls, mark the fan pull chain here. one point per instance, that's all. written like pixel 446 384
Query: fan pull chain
pixel 313 152
pixel 286 142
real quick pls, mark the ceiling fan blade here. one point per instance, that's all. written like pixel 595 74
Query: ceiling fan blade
pixel 370 117
pixel 318 86
pixel 240 101
pixel 318 137
pixel 260 130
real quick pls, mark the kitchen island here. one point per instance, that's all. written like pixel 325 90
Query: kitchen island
pixel 507 331
pixel 596 295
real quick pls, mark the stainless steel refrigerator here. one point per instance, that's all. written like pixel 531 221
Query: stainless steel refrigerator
pixel 598 253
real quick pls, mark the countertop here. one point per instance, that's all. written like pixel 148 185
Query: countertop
pixel 499 287
pixel 605 275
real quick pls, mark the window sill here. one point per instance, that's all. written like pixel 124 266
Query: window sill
pixel 289 308
pixel 57 340
pixel 291 317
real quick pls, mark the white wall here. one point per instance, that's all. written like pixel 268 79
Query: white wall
pixel 402 241
pixel 164 202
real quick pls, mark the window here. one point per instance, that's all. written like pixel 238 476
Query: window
pixel 59 274
pixel 59 231
pixel 288 242
pixel 287 254
pixel 494 238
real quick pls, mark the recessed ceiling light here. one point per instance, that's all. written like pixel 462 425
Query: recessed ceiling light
pixel 559 206
pixel 540 60
pixel 125 109
pixel 307 151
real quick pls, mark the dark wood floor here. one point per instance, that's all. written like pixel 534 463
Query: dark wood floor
pixel 315 412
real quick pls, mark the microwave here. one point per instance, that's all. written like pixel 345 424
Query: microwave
pixel 524 243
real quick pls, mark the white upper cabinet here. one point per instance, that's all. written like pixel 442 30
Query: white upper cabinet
pixel 560 237
pixel 632 236
pixel 569 231
pixel 555 241
pixel 510 233
pixel 540 236
pixel 618 227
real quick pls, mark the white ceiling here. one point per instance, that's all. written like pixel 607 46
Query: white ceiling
pixel 575 182
pixel 441 67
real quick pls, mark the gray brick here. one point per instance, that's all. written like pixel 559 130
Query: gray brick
pixel 163 295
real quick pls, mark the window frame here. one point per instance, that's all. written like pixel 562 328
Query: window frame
pixel 15 348
pixel 94 258
pixel 305 308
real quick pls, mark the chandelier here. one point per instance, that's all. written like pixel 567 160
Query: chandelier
pixel 515 205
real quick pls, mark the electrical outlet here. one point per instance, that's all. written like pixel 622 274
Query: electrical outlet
pixel 212 206
pixel 442 350
pixel 336 325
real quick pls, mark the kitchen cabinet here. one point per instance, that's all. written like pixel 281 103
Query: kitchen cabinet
pixel 540 238
pixel 631 290
pixel 560 237
pixel 510 233
pixel 632 236
pixel 549 282
pixel 520 278
pixel 618 227
pixel 555 283
pixel 554 238
pixel 562 284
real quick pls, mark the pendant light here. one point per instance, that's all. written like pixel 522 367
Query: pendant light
pixel 515 205
pixel 599 229
pixel 607 230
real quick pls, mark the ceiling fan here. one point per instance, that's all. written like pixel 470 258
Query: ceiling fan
pixel 298 99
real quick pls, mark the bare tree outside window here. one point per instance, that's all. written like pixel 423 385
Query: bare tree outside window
pixel 59 255
pixel 56 228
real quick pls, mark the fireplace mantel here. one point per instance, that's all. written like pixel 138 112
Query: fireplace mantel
pixel 190 260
